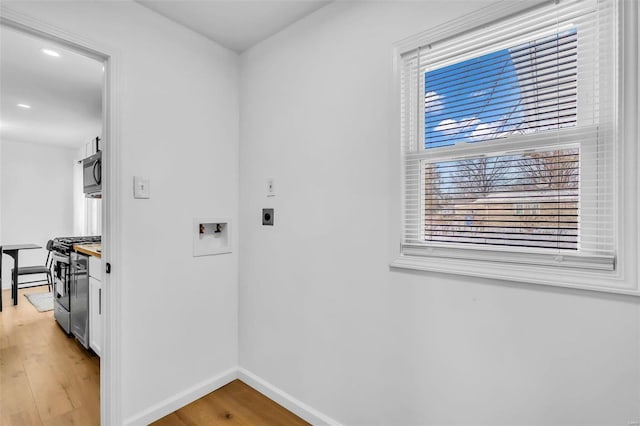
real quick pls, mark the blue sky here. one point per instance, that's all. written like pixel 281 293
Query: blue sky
pixel 468 100
pixel 481 99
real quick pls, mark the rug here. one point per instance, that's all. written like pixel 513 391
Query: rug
pixel 43 302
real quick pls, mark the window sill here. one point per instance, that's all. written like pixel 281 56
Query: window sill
pixel 607 282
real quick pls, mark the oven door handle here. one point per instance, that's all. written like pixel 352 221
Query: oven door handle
pixel 60 258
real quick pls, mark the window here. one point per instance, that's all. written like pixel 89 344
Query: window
pixel 509 132
pixel 528 209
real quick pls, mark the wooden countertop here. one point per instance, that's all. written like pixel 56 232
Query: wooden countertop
pixel 94 249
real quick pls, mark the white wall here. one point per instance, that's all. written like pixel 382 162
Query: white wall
pixel 324 319
pixel 79 201
pixel 37 199
pixel 178 96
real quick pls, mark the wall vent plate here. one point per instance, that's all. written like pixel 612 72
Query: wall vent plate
pixel 267 217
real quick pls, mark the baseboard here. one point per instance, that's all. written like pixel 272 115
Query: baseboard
pixel 292 404
pixel 205 387
pixel 181 399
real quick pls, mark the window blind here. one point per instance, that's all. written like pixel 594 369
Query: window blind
pixel 508 135
pixel 524 89
pixel 528 200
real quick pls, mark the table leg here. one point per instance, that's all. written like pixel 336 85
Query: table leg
pixel 14 280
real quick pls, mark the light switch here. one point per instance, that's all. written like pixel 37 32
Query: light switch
pixel 271 189
pixel 141 187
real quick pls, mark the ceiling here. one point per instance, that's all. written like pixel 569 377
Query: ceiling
pixel 235 24
pixel 64 93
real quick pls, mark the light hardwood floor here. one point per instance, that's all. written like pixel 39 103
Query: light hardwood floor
pixel 47 378
pixel 233 404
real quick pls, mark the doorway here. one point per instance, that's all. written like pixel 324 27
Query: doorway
pixel 87 213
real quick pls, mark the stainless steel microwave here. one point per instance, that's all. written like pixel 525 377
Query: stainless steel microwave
pixel 92 175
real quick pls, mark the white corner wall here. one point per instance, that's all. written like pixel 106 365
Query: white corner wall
pixel 178 117
pixel 37 199
pixel 323 319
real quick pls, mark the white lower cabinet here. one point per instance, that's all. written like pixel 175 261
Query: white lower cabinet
pixel 96 337
pixel 95 315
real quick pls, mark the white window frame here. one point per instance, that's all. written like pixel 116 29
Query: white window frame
pixel 531 266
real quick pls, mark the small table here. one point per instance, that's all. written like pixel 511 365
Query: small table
pixel 13 250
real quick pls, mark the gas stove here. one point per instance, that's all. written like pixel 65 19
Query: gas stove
pixel 64 245
pixel 67 275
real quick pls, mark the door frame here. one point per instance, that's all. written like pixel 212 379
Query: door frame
pixel 110 361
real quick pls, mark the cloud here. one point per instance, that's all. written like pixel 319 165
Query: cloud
pixel 450 126
pixel 481 132
pixel 469 122
pixel 447 126
pixel 479 93
pixel 488 131
pixel 506 126
pixel 433 102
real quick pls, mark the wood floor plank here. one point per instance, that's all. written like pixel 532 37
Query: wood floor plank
pixel 10 362
pixel 23 418
pixel 170 420
pixel 46 379
pixel 75 417
pixel 17 396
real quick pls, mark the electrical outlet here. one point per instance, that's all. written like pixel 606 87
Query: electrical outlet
pixel 267 217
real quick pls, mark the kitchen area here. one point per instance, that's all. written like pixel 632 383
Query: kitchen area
pixel 51 355
pixel 73 269
pixel 52 304
pixel 77 266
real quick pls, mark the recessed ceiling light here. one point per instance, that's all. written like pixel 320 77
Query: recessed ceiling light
pixel 25 106
pixel 50 52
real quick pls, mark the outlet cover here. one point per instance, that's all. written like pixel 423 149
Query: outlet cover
pixel 267 217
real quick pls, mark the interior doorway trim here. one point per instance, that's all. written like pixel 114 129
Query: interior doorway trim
pixel 110 362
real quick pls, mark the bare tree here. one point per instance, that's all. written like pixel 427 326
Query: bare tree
pixel 552 169
pixel 432 193
pixel 479 177
pixel 432 199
